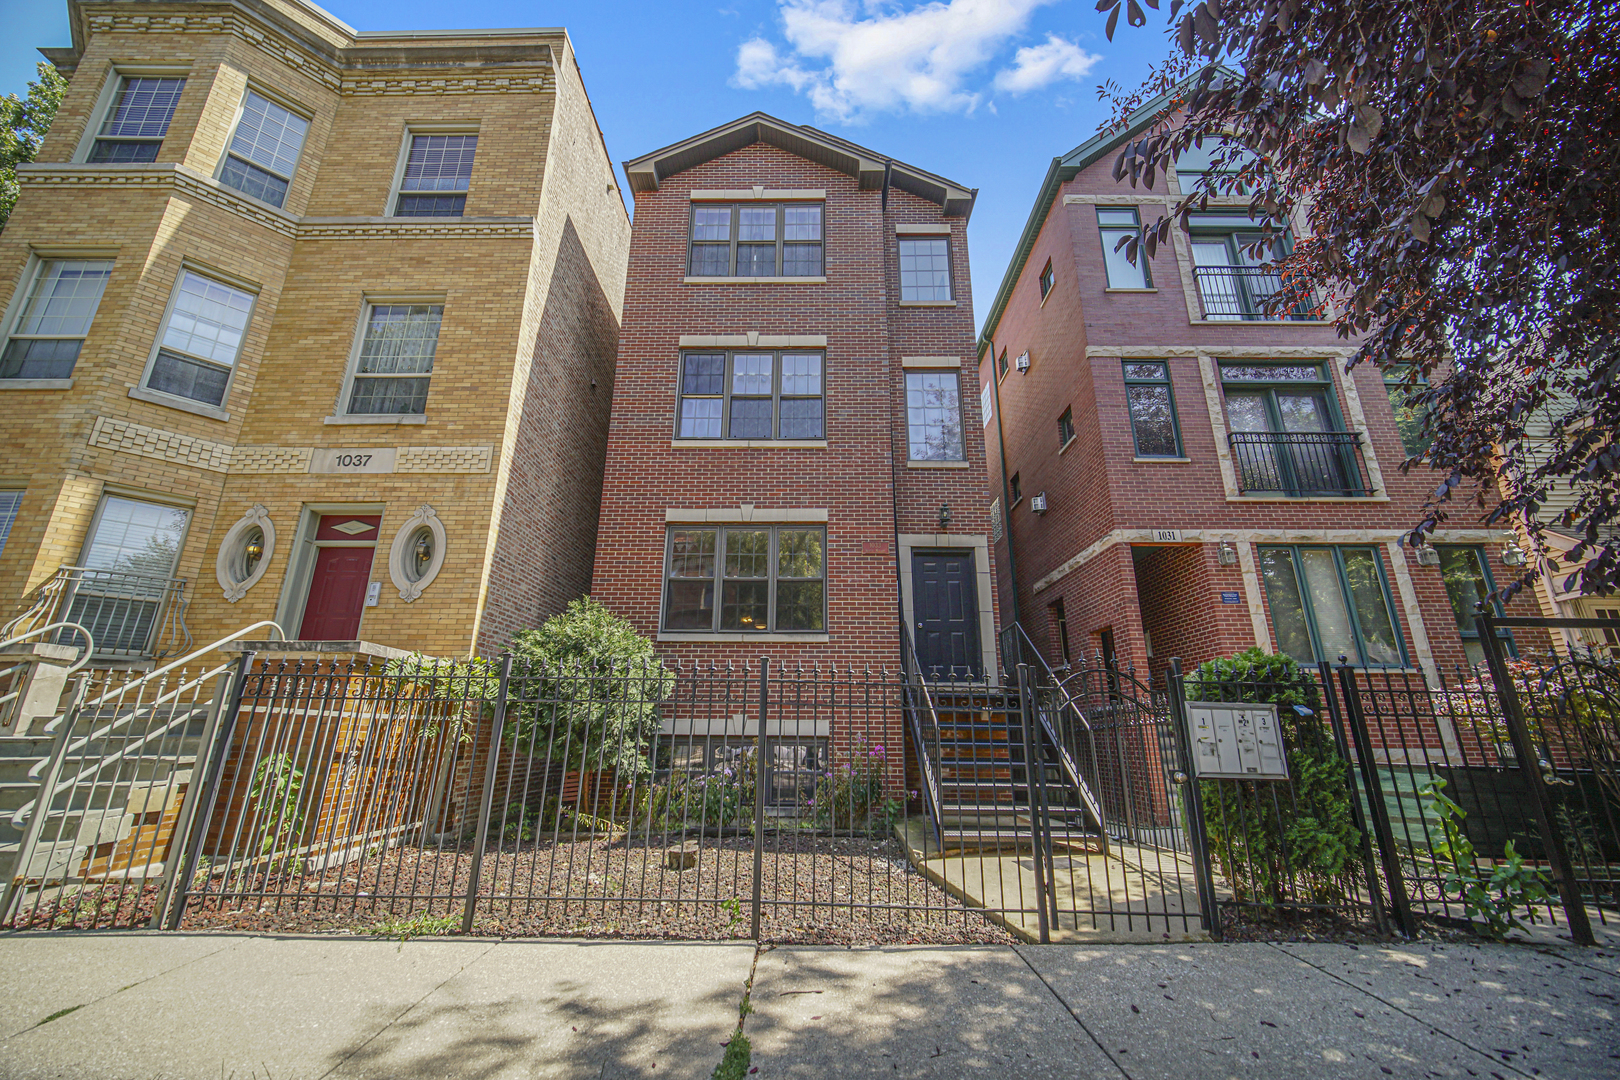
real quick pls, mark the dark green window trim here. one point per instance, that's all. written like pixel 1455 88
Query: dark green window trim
pixel 1465 626
pixel 1294 554
pixel 1136 376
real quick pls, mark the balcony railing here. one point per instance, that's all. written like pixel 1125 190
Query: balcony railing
pixel 131 616
pixel 1240 293
pixel 1300 463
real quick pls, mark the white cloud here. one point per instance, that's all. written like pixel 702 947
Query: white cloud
pixel 880 57
pixel 1039 65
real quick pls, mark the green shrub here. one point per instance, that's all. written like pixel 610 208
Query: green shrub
pixel 722 796
pixel 850 794
pixel 1512 886
pixel 1263 838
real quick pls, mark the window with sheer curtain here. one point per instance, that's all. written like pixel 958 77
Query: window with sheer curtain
pixel 1328 602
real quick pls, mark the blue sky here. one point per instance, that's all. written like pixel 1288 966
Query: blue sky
pixel 985 92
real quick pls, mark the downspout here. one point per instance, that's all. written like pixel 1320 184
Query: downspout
pixel 1006 488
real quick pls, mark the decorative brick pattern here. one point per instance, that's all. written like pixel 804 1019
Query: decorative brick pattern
pixel 126 437
pixel 270 459
pixel 443 459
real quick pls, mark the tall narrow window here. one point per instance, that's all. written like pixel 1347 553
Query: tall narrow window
pixel 1065 427
pixel 756 240
pixel 49 331
pixel 1116 224
pixel 1328 602
pixel 987 403
pixel 770 579
pixel 138 119
pixel 1468 583
pixel 1001 364
pixel 264 150
pixel 438 169
pixel 201 339
pixel 1046 280
pixel 925 271
pixel 10 503
pixel 751 395
pixel 1060 628
pixel 934 415
pixel 1016 489
pixel 1152 407
pixel 1409 416
pixel 396 359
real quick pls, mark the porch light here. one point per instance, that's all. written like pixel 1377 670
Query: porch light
pixel 1228 554
pixel 944 517
pixel 423 551
pixel 1428 556
pixel 252 552
pixel 1512 554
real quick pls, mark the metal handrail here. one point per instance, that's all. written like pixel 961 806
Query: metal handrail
pixel 118 602
pixel 1242 292
pixel 911 668
pixel 1065 760
pixel 89 649
pixel 204 651
pixel 1300 462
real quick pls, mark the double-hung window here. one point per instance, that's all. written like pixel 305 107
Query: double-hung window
pixel 1115 224
pixel 264 150
pixel 10 503
pixel 746 579
pixel 1065 427
pixel 751 395
pixel 438 169
pixel 1152 406
pixel 49 330
pixel 1046 280
pixel 1409 416
pixel 395 361
pixel 934 415
pixel 1328 602
pixel 201 339
pixel 925 271
pixel 756 240
pixel 1468 583
pixel 137 120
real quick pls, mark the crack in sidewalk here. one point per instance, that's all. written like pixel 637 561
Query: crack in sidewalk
pixel 406 1010
pixel 1409 1015
pixel 1061 1000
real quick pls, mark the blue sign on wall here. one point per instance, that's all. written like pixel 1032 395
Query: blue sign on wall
pixel 1231 598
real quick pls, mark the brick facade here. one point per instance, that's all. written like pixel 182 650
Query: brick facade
pixel 508 452
pixel 857 479
pixel 1133 545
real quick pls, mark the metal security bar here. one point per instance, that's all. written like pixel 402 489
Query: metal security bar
pixel 1300 463
pixel 131 616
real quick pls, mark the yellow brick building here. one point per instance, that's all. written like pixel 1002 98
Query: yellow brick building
pixel 307 324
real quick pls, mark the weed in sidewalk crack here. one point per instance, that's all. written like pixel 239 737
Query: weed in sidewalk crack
pixel 58 1014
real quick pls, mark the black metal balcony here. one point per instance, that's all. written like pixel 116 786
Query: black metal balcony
pixel 1242 293
pixel 1300 463
pixel 131 616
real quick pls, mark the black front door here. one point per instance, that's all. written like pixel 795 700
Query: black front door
pixel 945 601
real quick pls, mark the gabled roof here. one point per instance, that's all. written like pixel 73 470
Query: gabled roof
pixel 1062 170
pixel 867 166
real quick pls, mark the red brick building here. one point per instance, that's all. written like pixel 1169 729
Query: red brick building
pixel 1189 473
pixel 792 459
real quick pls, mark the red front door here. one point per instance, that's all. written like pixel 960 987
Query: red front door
pixel 337 594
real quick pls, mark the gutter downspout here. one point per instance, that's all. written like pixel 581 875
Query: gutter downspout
pixel 1006 488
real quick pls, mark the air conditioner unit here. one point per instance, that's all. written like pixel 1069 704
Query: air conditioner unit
pixel 1022 363
pixel 1037 503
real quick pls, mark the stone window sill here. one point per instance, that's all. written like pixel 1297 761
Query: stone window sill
pixel 1114 290
pixel 693 635
pixel 389 418
pixel 939 464
pixel 928 303
pixel 1070 441
pixel 754 281
pixel 749 444
pixel 1161 460
pixel 1260 322
pixel 1307 498
pixel 169 401
pixel 36 384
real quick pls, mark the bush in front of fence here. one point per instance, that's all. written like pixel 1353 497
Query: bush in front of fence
pixel 850 794
pixel 723 796
pixel 586 690
pixel 1276 838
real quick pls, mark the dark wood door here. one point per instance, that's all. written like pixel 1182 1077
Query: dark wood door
pixel 945 604
pixel 337 594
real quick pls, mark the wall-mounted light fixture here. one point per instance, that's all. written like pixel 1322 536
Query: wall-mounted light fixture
pixel 944 517
pixel 1428 556
pixel 1228 553
pixel 1512 554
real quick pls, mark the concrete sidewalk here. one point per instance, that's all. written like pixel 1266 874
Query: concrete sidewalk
pixel 219 1006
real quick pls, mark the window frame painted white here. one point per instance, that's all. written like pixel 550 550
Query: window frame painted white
pixel 225 156
pixel 144 392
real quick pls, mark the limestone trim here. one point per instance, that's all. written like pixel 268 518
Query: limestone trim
pixel 410 589
pixel 444 459
pixel 1278 352
pixel 753 339
pixel 256 517
pixel 1120 200
pixel 926 362
pixel 1264 536
pixel 746 512
pixel 1414 622
pixel 1210 376
pixel 128 437
pixel 757 193
pixel 1254 597
pixel 270 459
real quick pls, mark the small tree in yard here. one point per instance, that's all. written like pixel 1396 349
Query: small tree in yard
pixel 1459 164
pixel 591 690
pixel 23 124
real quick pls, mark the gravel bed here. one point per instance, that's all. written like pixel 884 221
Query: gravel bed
pixel 815 890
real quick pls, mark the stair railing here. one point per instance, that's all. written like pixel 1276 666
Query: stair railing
pixel 919 700
pixel 1015 637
